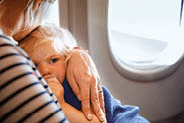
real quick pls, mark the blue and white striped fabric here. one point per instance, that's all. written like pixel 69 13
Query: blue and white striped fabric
pixel 24 94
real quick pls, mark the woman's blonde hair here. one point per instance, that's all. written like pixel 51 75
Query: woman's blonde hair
pixel 31 14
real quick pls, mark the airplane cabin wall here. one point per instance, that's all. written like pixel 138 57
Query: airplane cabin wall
pixel 157 100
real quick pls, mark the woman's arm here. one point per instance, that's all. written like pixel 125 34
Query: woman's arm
pixel 72 114
pixel 84 80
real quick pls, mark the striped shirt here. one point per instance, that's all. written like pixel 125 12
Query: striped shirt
pixel 24 94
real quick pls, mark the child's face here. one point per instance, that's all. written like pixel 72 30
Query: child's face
pixel 49 61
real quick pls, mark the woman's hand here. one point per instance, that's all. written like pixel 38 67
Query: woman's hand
pixel 84 79
pixel 57 89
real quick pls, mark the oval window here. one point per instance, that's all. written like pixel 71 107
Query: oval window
pixel 145 37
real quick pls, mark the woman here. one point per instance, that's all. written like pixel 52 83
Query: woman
pixel 23 94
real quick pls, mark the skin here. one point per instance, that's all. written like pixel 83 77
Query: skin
pixel 52 66
pixel 15 27
pixel 84 81
pixel 50 63
pixel 91 79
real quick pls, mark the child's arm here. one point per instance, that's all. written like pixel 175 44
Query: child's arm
pixel 72 114
pixel 75 116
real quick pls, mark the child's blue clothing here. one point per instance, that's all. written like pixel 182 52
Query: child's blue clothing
pixel 115 112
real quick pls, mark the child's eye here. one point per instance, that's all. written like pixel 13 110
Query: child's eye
pixel 53 60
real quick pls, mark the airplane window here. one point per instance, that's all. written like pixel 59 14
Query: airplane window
pixel 146 37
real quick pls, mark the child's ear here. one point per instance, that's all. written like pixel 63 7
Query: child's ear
pixel 77 48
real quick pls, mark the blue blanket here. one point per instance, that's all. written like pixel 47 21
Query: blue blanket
pixel 115 111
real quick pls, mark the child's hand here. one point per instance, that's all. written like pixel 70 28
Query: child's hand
pixel 57 89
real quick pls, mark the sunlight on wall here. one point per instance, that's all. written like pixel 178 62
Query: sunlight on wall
pixel 53 14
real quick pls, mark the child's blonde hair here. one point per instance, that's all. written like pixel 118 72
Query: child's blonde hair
pixel 65 43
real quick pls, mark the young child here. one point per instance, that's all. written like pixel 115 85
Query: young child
pixel 50 48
